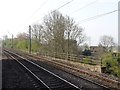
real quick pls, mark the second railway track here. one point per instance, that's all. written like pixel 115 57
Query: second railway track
pixel 48 79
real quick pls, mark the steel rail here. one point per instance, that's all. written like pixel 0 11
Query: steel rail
pixel 30 71
pixel 42 69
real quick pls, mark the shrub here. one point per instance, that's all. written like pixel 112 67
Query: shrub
pixel 111 64
pixel 86 52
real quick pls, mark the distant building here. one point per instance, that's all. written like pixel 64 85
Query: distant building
pixel 95 49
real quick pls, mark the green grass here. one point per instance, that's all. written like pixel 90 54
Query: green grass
pixel 88 61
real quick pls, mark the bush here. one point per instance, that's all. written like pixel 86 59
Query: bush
pixel 35 46
pixel 88 61
pixel 22 44
pixel 111 64
pixel 118 59
pixel 86 52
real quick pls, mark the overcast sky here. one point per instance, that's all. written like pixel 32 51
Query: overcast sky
pixel 17 15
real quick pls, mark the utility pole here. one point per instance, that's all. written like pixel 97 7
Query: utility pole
pixel 101 64
pixel 12 40
pixel 29 39
pixel 119 26
pixel 68 43
pixel 39 36
pixel 118 35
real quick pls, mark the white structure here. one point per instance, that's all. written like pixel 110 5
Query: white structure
pixel 119 26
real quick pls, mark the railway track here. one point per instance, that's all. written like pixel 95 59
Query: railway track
pixel 101 80
pixel 20 73
pixel 45 79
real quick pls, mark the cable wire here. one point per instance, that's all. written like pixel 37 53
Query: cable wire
pixel 59 8
pixel 39 8
pixel 97 16
pixel 65 4
pixel 84 6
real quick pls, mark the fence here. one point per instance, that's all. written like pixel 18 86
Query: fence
pixel 72 57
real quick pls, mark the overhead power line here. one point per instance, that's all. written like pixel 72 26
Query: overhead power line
pixel 39 8
pixel 84 6
pixel 65 4
pixel 59 8
pixel 97 16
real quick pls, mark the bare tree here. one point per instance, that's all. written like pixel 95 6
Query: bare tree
pixel 60 30
pixel 37 32
pixel 86 46
pixel 107 42
pixel 74 31
pixel 54 26
pixel 21 36
pixel 5 37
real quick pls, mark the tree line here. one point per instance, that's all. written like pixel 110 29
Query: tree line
pixel 59 33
